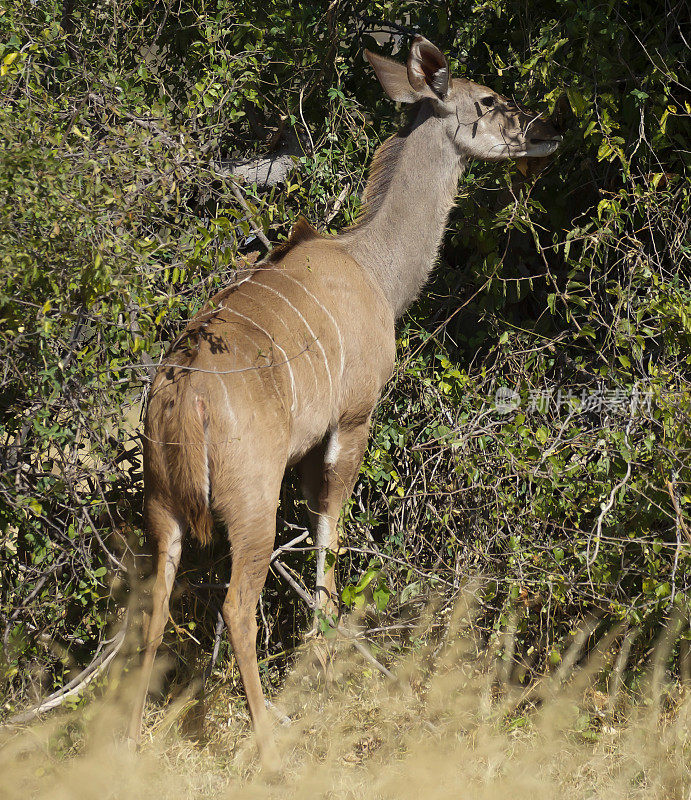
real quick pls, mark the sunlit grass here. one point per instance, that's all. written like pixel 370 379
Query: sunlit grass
pixel 449 726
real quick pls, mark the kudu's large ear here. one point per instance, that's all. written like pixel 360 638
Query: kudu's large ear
pixel 428 71
pixel 393 77
pixel 425 75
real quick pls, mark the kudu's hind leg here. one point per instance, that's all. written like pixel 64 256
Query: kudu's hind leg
pixel 251 542
pixel 167 530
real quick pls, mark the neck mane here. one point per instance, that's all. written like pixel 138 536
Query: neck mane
pixel 409 194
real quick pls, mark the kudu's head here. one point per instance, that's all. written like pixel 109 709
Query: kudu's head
pixel 479 123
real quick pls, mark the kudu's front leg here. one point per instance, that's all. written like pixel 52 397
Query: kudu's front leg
pixel 328 476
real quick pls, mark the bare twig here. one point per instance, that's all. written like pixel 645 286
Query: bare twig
pixel 283 719
pixel 681 523
pixel 77 684
pixel 606 507
pixel 349 635
pixel 217 646
pixel 258 232
pixel 294 585
pixel 305 125
pixel 289 545
pixel 338 203
pixel 365 653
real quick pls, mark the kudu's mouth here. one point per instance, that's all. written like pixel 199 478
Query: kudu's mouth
pixel 540 138
pixel 540 147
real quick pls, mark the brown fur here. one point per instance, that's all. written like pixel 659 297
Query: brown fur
pixel 187 463
pixel 382 170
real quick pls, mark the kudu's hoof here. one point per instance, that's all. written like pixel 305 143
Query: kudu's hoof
pixel 271 764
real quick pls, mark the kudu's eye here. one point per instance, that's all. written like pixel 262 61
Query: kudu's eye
pixel 488 102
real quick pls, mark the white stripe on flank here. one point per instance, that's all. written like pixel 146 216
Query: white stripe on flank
pixel 311 332
pixel 231 413
pixel 242 280
pixel 326 311
pixel 260 266
pixel 278 347
pixel 283 322
pixel 249 361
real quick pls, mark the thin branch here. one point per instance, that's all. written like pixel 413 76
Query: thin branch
pixel 258 232
pixel 76 685
pixel 337 204
pixel 289 545
pixel 283 719
pixel 305 125
pixel 294 585
pixel 681 523
pixel 349 635
pixel 365 653
pixel 606 508
pixel 217 646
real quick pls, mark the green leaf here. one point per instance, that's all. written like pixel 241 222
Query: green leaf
pixel 367 578
pixel 35 506
pixel 604 151
pixel 348 595
pixel 578 102
pixel 381 596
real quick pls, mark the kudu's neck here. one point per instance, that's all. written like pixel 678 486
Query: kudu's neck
pixel 409 195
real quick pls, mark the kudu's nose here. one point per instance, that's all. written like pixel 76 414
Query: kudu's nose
pixel 543 130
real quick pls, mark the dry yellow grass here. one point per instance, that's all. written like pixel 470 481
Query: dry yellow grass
pixel 447 728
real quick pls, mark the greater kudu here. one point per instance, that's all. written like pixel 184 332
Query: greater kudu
pixel 285 366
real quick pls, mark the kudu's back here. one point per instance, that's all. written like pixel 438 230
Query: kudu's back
pixel 260 375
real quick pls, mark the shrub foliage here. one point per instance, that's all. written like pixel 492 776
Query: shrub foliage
pixel 536 432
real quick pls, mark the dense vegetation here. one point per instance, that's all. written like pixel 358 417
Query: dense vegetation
pixel 568 493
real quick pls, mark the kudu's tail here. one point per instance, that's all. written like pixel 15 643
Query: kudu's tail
pixel 188 463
